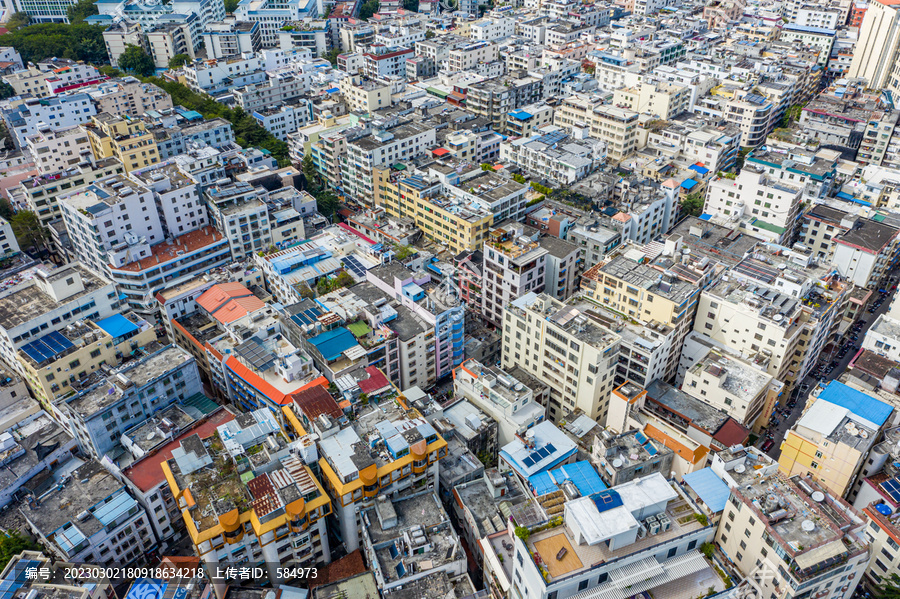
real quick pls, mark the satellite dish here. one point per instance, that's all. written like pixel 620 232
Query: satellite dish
pixel 818 496
pixel 739 468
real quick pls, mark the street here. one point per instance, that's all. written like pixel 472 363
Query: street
pixel 787 423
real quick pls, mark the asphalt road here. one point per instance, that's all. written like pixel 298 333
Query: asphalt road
pixel 786 423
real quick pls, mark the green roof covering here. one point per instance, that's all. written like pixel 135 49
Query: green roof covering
pixel 878 218
pixel 436 92
pixel 200 403
pixel 399 167
pixel 761 224
pixel 359 329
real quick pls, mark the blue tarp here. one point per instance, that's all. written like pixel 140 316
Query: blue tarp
pixel 701 170
pixel 117 325
pixel 709 487
pixel 689 184
pixel 333 343
pixel 520 115
pixel 705 216
pixel 859 403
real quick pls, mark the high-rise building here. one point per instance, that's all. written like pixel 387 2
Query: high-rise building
pixel 875 57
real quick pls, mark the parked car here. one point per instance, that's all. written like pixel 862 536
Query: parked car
pixel 768 445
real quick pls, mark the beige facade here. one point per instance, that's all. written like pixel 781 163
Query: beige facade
pixel 365 96
pixel 563 347
pixel 615 126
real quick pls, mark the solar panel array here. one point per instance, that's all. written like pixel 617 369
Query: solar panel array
pixel 47 347
pixel 259 357
pixel 539 454
pixel 354 265
pixel 307 316
pixel 892 488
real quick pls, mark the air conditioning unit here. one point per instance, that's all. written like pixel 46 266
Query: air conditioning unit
pixel 665 523
pixel 654 527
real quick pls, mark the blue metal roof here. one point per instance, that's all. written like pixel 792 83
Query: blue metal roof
pixel 689 184
pixel 333 343
pixel 859 403
pixel 705 216
pixel 709 487
pixel 117 325
pixel 520 115
pixel 582 474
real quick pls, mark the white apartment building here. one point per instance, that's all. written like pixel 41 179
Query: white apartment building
pixel 213 76
pixel 492 28
pixel 381 62
pixel 563 347
pixel 624 538
pixel 382 146
pixel 281 87
pixel 759 204
pixel 101 520
pixel 8 243
pixel 54 151
pixel 112 222
pixel 514 264
pixel 283 120
pixel 59 112
pixel 178 200
pixel 241 217
pixel 501 396
pixel 468 56
pixel 46 299
pixel 875 54
pixel 555 155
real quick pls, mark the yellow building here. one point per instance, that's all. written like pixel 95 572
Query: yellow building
pixel 832 439
pixel 364 96
pixel 123 138
pixel 248 496
pixel 404 455
pixel 56 360
pixel 455 222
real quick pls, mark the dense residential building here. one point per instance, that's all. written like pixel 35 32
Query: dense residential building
pixel 562 346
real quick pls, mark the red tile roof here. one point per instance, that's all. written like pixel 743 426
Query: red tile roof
pixel 349 565
pixel 227 302
pixel 315 401
pixel 148 473
pixel 731 433
pixel 376 381
pixel 164 252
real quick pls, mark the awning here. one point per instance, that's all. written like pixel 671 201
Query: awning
pixel 673 569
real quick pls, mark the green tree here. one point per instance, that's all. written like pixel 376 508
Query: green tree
pixel 487 167
pixel 692 204
pixel 411 5
pixel 81 10
pixel 368 9
pixel 12 544
pixel 889 587
pixel 231 5
pixel 27 228
pixel 17 21
pixel 791 115
pixel 110 71
pixel 519 178
pixel 136 61
pixel 332 56
pixel 430 34
pixel 6 209
pixel 327 203
pixel 6 90
pixel 309 172
pixel 179 60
